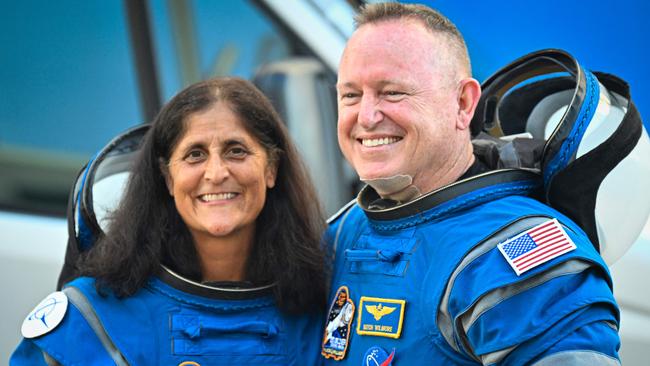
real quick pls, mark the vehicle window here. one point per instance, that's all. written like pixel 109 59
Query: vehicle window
pixel 69 80
pixel 68 86
pixel 195 40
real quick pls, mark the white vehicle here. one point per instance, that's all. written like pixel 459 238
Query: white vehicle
pixel 98 68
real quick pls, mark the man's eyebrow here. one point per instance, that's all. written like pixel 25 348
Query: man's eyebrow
pixel 378 83
pixel 390 82
pixel 348 84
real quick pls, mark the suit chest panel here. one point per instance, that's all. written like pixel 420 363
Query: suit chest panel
pixel 395 279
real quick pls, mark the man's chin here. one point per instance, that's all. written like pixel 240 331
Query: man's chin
pixel 389 184
pixel 375 170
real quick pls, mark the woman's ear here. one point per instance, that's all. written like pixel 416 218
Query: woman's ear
pixel 164 169
pixel 468 96
pixel 271 173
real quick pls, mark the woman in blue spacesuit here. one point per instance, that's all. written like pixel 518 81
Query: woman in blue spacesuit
pixel 212 256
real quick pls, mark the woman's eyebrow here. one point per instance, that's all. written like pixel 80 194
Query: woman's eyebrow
pixel 235 141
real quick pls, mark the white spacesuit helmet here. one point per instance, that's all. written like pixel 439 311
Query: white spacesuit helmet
pixel 96 193
pixel 99 187
pixel 595 162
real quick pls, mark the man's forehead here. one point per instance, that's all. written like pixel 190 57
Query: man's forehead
pixel 395 51
pixel 384 29
pixel 395 39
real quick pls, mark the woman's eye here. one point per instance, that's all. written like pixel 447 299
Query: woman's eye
pixel 195 156
pixel 237 152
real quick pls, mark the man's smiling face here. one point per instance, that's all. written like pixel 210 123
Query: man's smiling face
pixel 398 102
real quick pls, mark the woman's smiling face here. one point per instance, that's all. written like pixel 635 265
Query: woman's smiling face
pixel 218 174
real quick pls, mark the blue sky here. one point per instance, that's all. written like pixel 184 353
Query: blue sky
pixel 609 36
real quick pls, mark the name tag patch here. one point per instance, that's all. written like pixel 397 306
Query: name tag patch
pixel 380 317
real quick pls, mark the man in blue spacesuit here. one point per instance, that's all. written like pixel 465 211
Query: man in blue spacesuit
pixel 444 254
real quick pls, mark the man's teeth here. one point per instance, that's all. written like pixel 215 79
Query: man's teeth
pixel 217 197
pixel 382 141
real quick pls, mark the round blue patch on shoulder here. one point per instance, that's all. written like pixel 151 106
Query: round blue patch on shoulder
pixel 376 356
pixel 45 316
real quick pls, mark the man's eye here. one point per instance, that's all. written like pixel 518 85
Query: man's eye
pixel 349 99
pixel 349 95
pixel 394 95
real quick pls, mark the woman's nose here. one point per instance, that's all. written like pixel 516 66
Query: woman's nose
pixel 216 170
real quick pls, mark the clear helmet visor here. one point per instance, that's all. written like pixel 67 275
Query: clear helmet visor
pixel 586 140
pixel 99 189
pixel 623 199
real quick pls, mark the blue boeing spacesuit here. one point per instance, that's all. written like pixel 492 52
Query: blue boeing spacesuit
pixel 505 265
pixel 172 321
pixel 448 294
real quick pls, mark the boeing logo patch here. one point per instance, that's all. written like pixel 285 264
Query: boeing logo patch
pixel 380 317
pixel 339 321
pixel 45 316
pixel 376 356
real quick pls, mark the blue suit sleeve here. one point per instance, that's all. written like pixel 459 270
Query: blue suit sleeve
pixel 558 315
pixel 563 307
pixel 592 344
pixel 27 353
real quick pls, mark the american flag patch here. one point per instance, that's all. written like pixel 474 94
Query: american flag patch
pixel 536 246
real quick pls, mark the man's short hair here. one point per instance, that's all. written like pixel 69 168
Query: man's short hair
pixel 430 18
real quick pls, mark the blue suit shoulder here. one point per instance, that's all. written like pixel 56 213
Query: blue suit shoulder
pixel 334 219
pixel 60 342
pixel 341 220
pixel 496 315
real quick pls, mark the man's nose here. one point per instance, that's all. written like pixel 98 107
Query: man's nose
pixel 370 113
pixel 216 169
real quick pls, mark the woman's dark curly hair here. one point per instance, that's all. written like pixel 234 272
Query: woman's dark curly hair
pixel 146 230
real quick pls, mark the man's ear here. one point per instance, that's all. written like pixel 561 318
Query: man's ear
pixel 164 169
pixel 468 96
